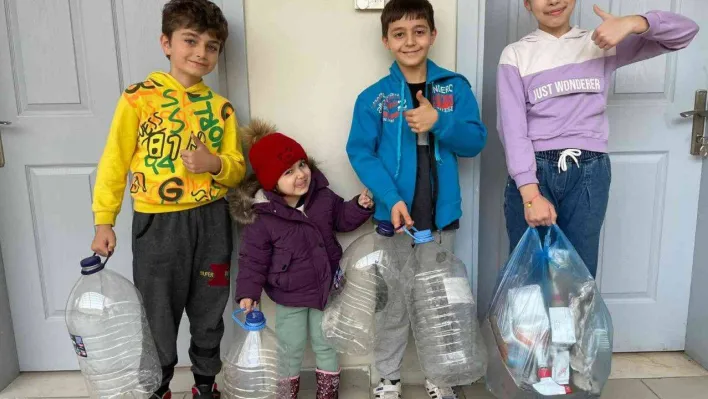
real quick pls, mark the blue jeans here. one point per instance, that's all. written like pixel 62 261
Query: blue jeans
pixel 579 195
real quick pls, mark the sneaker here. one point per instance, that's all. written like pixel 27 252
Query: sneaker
pixel 439 393
pixel 205 392
pixel 166 395
pixel 386 390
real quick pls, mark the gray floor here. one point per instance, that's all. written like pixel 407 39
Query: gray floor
pixel 661 388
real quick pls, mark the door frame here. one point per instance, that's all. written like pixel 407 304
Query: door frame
pixel 235 81
pixel 470 61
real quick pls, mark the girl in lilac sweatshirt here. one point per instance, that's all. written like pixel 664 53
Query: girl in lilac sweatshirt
pixel 552 94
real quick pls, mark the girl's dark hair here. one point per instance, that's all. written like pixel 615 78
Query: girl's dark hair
pixel 410 9
pixel 200 15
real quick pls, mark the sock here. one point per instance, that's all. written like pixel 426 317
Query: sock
pixel 204 380
pixel 393 382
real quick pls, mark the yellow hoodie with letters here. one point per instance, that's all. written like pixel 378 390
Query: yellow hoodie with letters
pixel 154 121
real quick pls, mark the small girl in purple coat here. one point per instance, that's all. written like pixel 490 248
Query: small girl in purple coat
pixel 289 246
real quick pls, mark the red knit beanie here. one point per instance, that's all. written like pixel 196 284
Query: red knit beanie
pixel 272 155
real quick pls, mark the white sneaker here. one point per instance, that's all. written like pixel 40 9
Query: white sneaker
pixel 439 393
pixel 386 390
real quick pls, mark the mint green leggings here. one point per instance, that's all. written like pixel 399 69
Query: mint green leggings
pixel 291 326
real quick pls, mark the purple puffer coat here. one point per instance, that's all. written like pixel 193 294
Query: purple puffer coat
pixel 294 256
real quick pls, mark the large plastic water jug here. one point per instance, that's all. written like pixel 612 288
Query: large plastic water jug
pixel 443 315
pixel 371 280
pixel 110 334
pixel 256 366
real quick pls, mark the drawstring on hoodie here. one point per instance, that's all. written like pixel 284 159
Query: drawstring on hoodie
pixel 400 129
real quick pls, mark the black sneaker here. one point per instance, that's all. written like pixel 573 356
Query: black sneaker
pixel 205 392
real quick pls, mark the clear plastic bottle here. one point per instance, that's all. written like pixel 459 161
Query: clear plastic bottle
pixel 443 315
pixel 371 280
pixel 110 334
pixel 255 367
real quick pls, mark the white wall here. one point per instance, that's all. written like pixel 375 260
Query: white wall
pixel 304 74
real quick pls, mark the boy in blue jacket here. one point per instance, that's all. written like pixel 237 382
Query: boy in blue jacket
pixel 408 130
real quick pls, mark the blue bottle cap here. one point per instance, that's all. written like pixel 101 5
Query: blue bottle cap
pixel 385 229
pixel 91 265
pixel 255 320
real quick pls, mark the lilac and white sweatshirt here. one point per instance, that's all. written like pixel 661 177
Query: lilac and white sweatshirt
pixel 552 92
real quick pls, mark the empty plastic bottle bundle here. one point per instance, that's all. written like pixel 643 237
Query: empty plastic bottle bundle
pixel 110 334
pixel 370 281
pixel 255 367
pixel 443 315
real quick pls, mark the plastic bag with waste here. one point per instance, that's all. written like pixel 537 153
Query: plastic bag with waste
pixel 548 330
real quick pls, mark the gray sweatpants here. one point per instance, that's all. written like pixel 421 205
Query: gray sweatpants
pixel 392 327
pixel 181 261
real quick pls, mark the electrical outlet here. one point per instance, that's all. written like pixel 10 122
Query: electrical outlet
pixel 369 4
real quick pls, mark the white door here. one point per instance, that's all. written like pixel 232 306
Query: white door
pixel 647 245
pixel 63 65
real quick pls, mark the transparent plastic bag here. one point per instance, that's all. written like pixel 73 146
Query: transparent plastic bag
pixel 368 282
pixel 110 334
pixel 256 366
pixel 548 329
pixel 443 315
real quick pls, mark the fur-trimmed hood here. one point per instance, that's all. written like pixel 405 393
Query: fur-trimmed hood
pixel 244 198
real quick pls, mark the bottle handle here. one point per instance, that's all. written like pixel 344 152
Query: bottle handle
pixel 408 231
pixel 107 258
pixel 235 314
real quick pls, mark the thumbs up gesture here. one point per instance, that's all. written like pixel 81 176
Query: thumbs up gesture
pixel 200 160
pixel 613 29
pixel 423 118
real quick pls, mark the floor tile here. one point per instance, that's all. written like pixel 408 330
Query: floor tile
pixel 343 394
pixel 477 391
pixel 679 388
pixel 655 365
pixel 627 389
pixel 46 385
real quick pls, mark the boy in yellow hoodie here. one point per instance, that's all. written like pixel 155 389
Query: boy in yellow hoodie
pixel 178 139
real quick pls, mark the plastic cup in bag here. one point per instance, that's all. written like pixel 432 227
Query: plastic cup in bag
pixel 370 280
pixel 110 334
pixel 443 315
pixel 256 366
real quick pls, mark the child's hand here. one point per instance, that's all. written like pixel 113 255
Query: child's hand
pixel 399 216
pixel 615 29
pixel 365 200
pixel 423 118
pixel 541 212
pixel 104 242
pixel 247 304
pixel 201 160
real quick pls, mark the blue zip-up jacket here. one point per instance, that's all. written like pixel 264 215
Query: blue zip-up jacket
pixel 382 148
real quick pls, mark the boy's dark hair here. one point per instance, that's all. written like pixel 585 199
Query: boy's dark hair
pixel 410 9
pixel 200 15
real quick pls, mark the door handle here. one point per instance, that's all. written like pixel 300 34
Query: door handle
pixel 688 114
pixel 2 153
pixel 699 142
